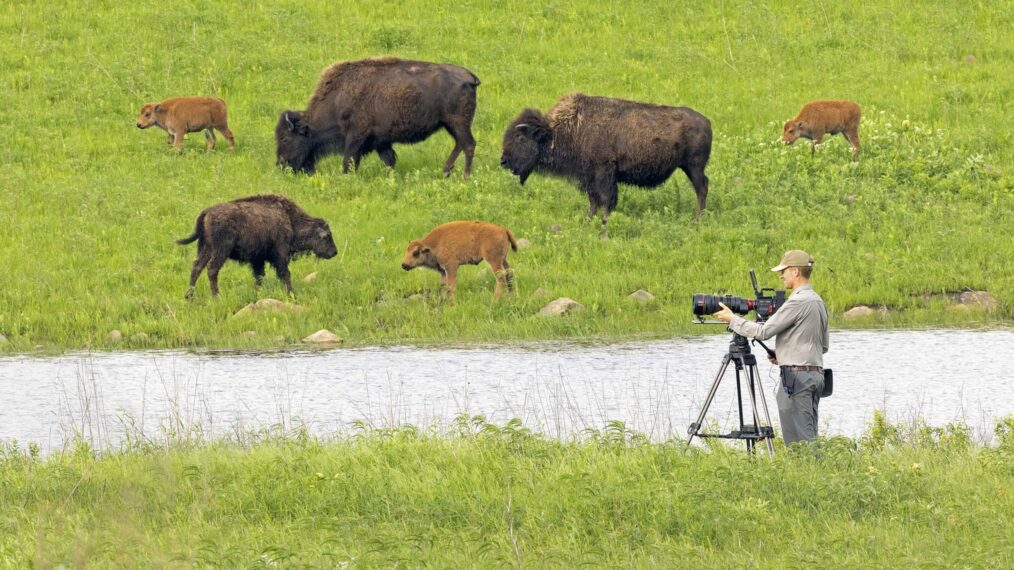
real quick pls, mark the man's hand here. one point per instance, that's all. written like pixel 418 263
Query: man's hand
pixel 772 360
pixel 725 314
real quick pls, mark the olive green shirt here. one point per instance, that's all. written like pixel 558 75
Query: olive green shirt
pixel 799 327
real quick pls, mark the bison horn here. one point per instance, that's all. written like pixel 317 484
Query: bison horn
pixel 288 121
pixel 522 127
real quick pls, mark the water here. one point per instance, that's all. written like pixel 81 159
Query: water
pixel 558 389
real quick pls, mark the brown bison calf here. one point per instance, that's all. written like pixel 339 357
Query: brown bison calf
pixel 818 118
pixel 181 115
pixel 266 228
pixel 463 243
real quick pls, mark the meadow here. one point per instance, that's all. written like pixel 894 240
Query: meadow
pixel 92 205
pixel 499 496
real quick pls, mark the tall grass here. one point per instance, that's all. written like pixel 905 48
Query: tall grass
pixel 92 205
pixel 498 495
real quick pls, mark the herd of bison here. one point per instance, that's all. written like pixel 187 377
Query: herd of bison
pixel 366 106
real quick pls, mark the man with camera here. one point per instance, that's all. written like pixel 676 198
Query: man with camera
pixel 801 339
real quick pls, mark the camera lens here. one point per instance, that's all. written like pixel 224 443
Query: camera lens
pixel 708 304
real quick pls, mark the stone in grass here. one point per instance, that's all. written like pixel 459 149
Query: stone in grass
pixel 310 277
pixel 976 300
pixel 323 336
pixel 859 312
pixel 115 335
pixel 139 338
pixel 641 296
pixel 268 305
pixel 540 292
pixel 249 334
pixel 3 339
pixel 561 306
pixel 555 229
pixel 523 243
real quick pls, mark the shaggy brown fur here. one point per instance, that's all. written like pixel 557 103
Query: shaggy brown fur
pixel 368 105
pixel 266 228
pixel 463 243
pixel 600 142
pixel 818 118
pixel 181 115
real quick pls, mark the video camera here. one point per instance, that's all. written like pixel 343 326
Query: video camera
pixel 767 301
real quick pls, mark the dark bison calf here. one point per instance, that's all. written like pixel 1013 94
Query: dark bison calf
pixel 363 106
pixel 463 243
pixel 256 229
pixel 599 142
pixel 818 118
pixel 181 115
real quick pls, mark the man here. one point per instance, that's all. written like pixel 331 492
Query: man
pixel 801 339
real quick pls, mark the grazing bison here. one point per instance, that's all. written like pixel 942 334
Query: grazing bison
pixel 463 243
pixel 368 105
pixel 818 118
pixel 256 229
pixel 599 142
pixel 181 115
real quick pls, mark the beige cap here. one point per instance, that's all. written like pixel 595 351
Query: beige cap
pixel 794 258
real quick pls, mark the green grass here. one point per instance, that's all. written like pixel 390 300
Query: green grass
pixel 92 205
pixel 499 496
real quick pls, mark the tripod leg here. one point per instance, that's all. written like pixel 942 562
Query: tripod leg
pixel 767 415
pixel 696 426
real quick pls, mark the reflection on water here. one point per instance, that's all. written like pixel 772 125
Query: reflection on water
pixel 556 388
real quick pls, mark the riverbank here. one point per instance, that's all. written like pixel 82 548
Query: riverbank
pixel 499 495
pixel 94 205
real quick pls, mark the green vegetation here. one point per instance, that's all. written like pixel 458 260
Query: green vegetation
pixel 92 205
pixel 500 496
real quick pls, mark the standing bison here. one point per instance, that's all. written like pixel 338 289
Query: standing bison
pixel 266 228
pixel 599 142
pixel 181 115
pixel 368 105
pixel 818 118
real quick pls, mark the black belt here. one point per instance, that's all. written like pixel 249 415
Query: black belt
pixel 804 368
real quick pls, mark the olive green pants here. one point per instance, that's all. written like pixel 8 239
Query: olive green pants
pixel 798 397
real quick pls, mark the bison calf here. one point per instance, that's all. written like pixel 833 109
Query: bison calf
pixel 818 118
pixel 181 115
pixel 463 243
pixel 600 142
pixel 266 228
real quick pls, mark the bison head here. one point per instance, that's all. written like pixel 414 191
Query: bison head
pixel 147 116
pixel 525 143
pixel 792 130
pixel 315 236
pixel 418 254
pixel 295 146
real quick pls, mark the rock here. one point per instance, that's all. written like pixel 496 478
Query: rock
pixel 416 297
pixel 561 306
pixel 139 337
pixel 555 229
pixel 977 300
pixel 540 292
pixel 969 59
pixel 310 277
pixel 641 296
pixel 523 244
pixel 3 339
pixel 249 334
pixel 858 312
pixel 323 336
pixel 115 335
pixel 280 339
pixel 268 305
pixel 990 169
pixel 850 199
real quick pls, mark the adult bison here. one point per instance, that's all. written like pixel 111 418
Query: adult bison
pixel 265 228
pixel 600 141
pixel 368 105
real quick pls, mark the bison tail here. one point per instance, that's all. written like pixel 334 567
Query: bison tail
pixel 197 231
pixel 514 243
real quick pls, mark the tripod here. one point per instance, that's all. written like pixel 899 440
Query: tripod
pixel 739 352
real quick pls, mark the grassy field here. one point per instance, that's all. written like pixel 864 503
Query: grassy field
pixel 92 206
pixel 498 496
